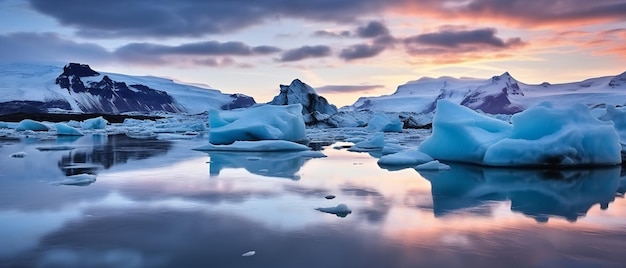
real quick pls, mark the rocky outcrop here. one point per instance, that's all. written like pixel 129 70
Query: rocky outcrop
pixel 315 108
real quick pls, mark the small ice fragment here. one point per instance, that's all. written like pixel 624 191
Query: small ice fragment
pixel 340 210
pixel 249 253
pixel 19 155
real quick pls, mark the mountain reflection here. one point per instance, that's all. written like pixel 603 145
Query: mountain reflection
pixel 107 151
pixel 539 194
pixel 270 164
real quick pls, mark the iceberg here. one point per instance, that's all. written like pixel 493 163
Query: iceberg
pixel 28 124
pixel 376 142
pixel 432 165
pixel 539 136
pixel 380 122
pixel 66 130
pixel 265 122
pixel 618 117
pixel 94 123
pixel 460 134
pixel 405 158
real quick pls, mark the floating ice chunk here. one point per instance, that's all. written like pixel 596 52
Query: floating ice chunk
pixel 355 139
pixel 432 165
pixel 340 210
pixel 66 130
pixel 461 134
pixel 4 125
pixel 19 155
pixel 265 122
pixel 543 135
pixel 73 123
pixel 405 158
pixel 249 253
pixel 76 180
pixel 33 125
pixel 392 148
pixel 539 136
pixel 94 123
pixel 256 146
pixel 380 122
pixel 377 141
pixel 194 125
pixel 142 134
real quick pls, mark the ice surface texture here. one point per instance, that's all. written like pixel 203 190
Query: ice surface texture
pixel 380 122
pixel 540 136
pixel 266 122
pixel 66 130
pixel 94 123
pixel 33 125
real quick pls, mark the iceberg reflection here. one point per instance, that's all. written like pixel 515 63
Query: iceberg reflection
pixel 270 164
pixel 539 194
pixel 107 151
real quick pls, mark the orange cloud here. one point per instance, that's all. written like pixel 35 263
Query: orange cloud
pixel 527 13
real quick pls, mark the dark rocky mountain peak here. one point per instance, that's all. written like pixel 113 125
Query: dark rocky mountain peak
pixel 315 108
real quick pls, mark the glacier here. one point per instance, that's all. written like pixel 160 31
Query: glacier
pixel 76 88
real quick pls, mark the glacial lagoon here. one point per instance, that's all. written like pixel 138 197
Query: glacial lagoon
pixel 158 203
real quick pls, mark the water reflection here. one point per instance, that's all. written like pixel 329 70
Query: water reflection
pixel 539 194
pixel 107 151
pixel 270 164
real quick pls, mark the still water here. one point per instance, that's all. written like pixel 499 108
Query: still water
pixel 158 203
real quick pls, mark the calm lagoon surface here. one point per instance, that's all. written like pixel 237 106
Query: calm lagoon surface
pixel 158 203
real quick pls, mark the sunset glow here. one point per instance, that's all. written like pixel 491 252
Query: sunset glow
pixel 346 49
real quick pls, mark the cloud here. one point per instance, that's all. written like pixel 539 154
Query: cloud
pixel 372 29
pixel 150 52
pixel 361 51
pixel 324 33
pixel 305 52
pixel 451 41
pixel 24 46
pixel 346 88
pixel 454 39
pixel 192 18
pixel 53 47
pixel 520 12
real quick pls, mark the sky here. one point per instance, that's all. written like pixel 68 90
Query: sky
pixel 343 48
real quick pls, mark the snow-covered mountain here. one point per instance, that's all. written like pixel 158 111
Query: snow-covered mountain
pixel 415 101
pixel 79 89
pixel 315 108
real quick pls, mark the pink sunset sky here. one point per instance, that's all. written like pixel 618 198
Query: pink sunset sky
pixel 343 48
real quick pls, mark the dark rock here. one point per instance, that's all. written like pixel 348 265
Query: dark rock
pixel 315 108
